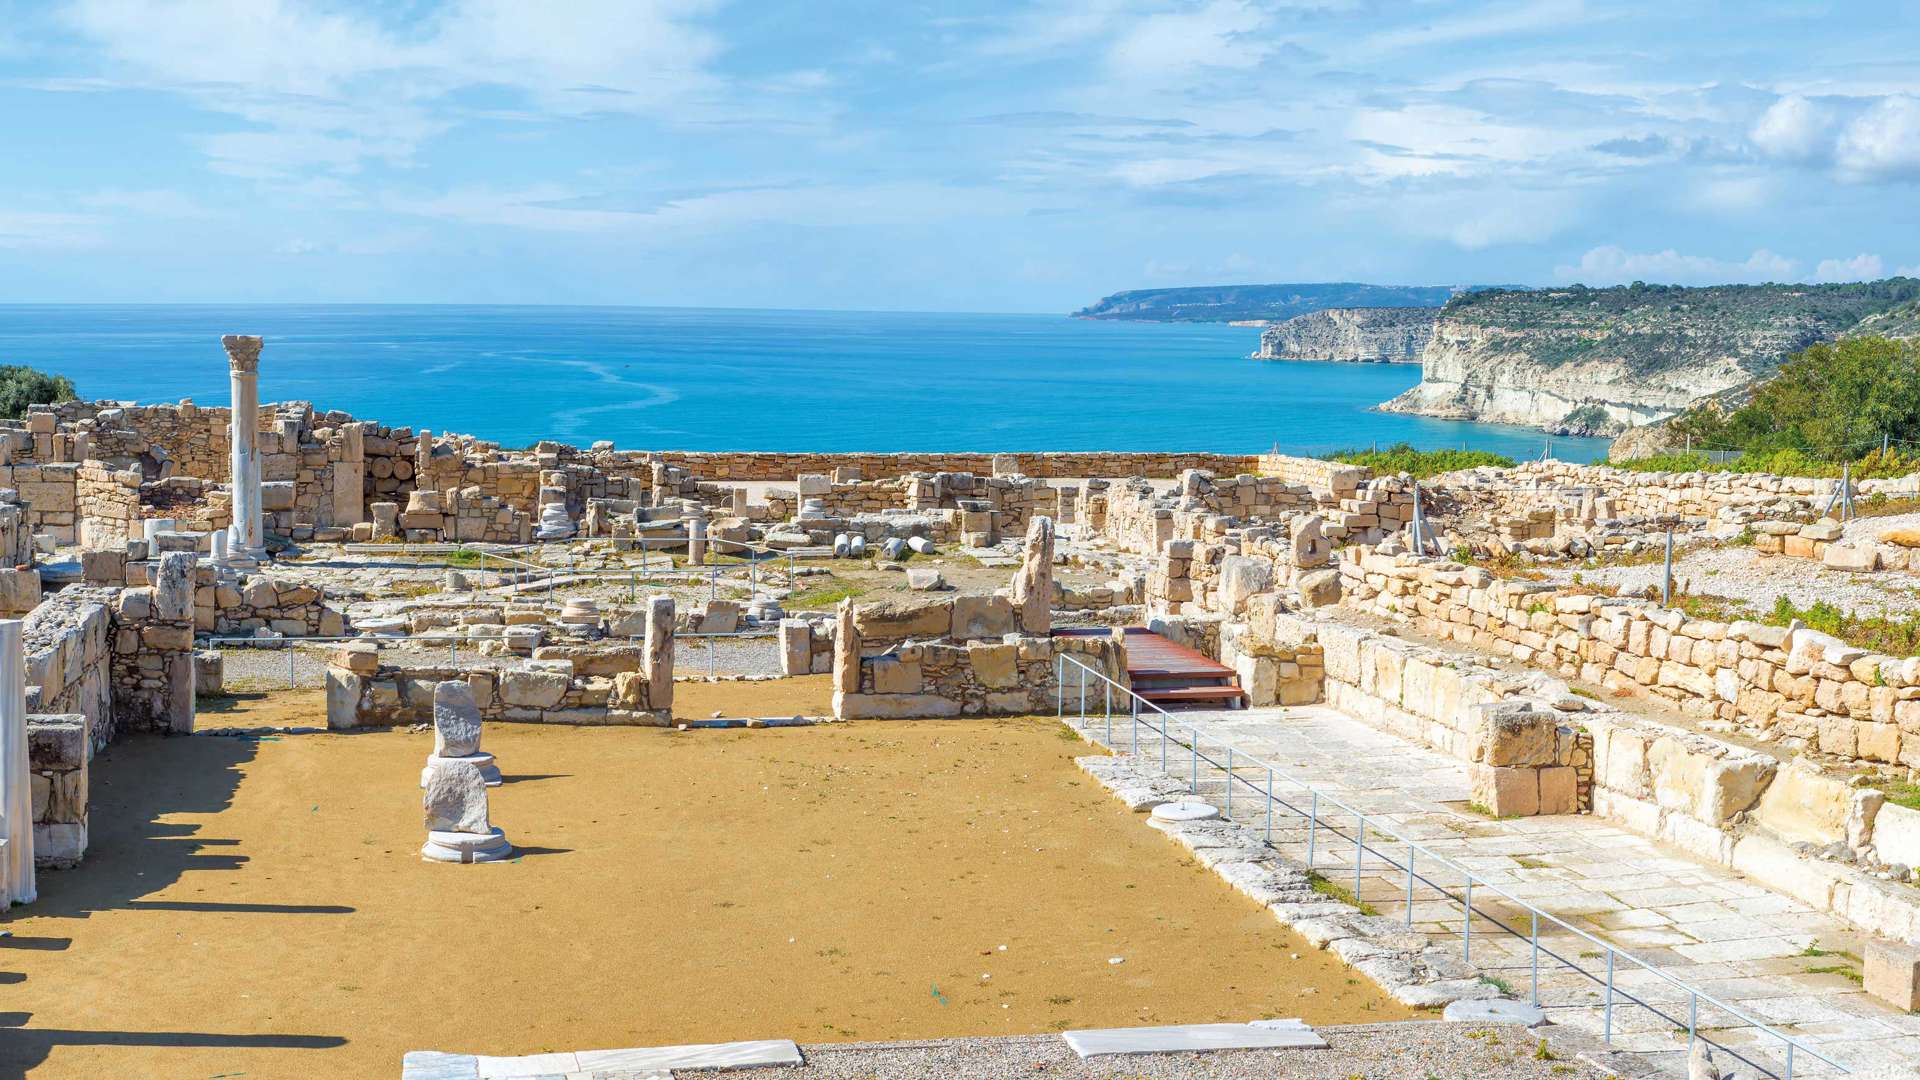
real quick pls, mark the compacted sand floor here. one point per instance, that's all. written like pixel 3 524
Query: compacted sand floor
pixel 257 907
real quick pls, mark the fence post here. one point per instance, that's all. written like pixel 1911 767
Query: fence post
pixel 1409 883
pixel 291 681
pixel 1107 709
pixel 1466 925
pixel 1359 851
pixel 1193 744
pixel 1083 693
pixel 1693 1017
pixel 1060 688
pixel 1229 807
pixel 1666 575
pixel 1536 959
pixel 1269 804
pixel 1606 1026
pixel 1133 710
pixel 1313 823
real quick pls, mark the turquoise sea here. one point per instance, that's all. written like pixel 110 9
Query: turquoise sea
pixel 710 379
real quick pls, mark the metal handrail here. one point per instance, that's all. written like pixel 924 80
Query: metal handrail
pixel 1411 849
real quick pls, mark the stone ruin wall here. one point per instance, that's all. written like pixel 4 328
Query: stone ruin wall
pixel 737 466
pixel 576 684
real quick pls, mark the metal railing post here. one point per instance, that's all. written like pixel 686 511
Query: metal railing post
pixel 1083 693
pixel 1359 851
pixel 1606 1023
pixel 1409 883
pixel 1229 807
pixel 1466 925
pixel 1060 688
pixel 1536 959
pixel 1193 744
pixel 1269 804
pixel 1693 1018
pixel 1313 823
pixel 292 682
pixel 1107 709
pixel 1133 709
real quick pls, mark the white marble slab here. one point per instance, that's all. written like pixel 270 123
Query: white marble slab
pixel 731 1055
pixel 509 1068
pixel 434 1065
pixel 1178 1037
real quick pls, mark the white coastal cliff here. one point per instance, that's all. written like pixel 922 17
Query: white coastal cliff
pixel 1582 361
pixel 1367 335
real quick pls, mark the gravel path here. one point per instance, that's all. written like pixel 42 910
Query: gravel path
pixel 1406 1051
pixel 1740 573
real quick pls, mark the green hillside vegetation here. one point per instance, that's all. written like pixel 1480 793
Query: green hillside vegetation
pixel 23 386
pixel 1403 458
pixel 1831 403
pixel 1229 303
pixel 1651 329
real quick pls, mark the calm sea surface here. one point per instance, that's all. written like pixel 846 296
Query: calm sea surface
pixel 708 379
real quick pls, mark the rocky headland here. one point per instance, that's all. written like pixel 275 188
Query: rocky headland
pixel 1257 303
pixel 1365 335
pixel 1583 361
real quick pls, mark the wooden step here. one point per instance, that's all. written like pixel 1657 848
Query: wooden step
pixel 1185 694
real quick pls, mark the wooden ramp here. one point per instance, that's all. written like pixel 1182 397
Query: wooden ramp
pixel 1173 676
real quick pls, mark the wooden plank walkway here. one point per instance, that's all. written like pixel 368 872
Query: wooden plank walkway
pixel 1170 674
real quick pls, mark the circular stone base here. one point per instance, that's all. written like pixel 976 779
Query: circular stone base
pixel 456 847
pixel 489 772
pixel 1186 810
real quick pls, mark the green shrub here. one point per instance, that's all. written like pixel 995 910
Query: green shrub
pixel 23 386
pixel 1402 457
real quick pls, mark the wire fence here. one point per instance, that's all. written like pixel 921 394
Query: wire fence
pixel 1337 838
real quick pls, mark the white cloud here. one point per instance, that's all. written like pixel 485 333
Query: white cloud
pixel 1884 141
pixel 1167 46
pixel 1611 265
pixel 27 229
pixel 329 89
pixel 1861 267
pixel 1794 128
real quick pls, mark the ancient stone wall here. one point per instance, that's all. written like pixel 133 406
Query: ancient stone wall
pixel 1797 688
pixel 1341 480
pixel 367 688
pixel 57 756
pixel 69 640
pixel 874 466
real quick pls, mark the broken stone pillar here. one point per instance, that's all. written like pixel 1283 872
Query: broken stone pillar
pixel 846 651
pixel 350 476
pixel 1310 548
pixel 16 776
pixel 1033 582
pixel 659 659
pixel 173 594
pixel 248 543
pixel 455 801
pixel 697 540
pixel 456 732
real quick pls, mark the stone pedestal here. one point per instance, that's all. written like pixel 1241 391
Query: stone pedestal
pixel 697 540
pixel 455 847
pixel 247 541
pixel 1033 584
pixel 658 665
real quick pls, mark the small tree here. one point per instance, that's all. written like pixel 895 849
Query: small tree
pixel 22 386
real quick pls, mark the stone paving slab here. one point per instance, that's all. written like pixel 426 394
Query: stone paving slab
pixel 1719 932
pixel 1268 1035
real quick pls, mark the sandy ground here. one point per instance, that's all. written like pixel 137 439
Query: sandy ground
pixel 257 907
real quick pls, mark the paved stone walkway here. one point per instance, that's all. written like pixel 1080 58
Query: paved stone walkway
pixel 1721 933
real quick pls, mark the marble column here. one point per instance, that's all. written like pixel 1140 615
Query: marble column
pixel 16 776
pixel 243 367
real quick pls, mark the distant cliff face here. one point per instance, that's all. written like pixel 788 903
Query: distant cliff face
pixel 1368 335
pixel 1597 361
pixel 1230 303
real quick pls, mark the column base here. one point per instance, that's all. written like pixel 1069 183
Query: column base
pixel 453 847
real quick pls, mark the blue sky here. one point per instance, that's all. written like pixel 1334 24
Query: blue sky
pixel 982 156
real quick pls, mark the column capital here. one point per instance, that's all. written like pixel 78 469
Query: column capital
pixel 243 353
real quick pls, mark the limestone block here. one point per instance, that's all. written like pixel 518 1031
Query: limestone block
pixel 533 689
pixel 173 588
pixel 1803 806
pixel 796 647
pixel 629 691
pixel 1559 790
pixel 1319 588
pixel 982 617
pixel 996 666
pixel 209 673
pixel 1506 734
pixel 1896 835
pixel 1506 792
pixel 359 658
pixel 1733 785
pixel 1242 576
pixel 344 691
pixel 1892 972
pixel 891 676
pixel 904 619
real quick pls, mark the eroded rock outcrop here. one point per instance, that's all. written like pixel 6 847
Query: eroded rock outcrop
pixel 1368 335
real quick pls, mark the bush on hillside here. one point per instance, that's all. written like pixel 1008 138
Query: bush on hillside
pixel 1403 458
pixel 23 386
pixel 1832 402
